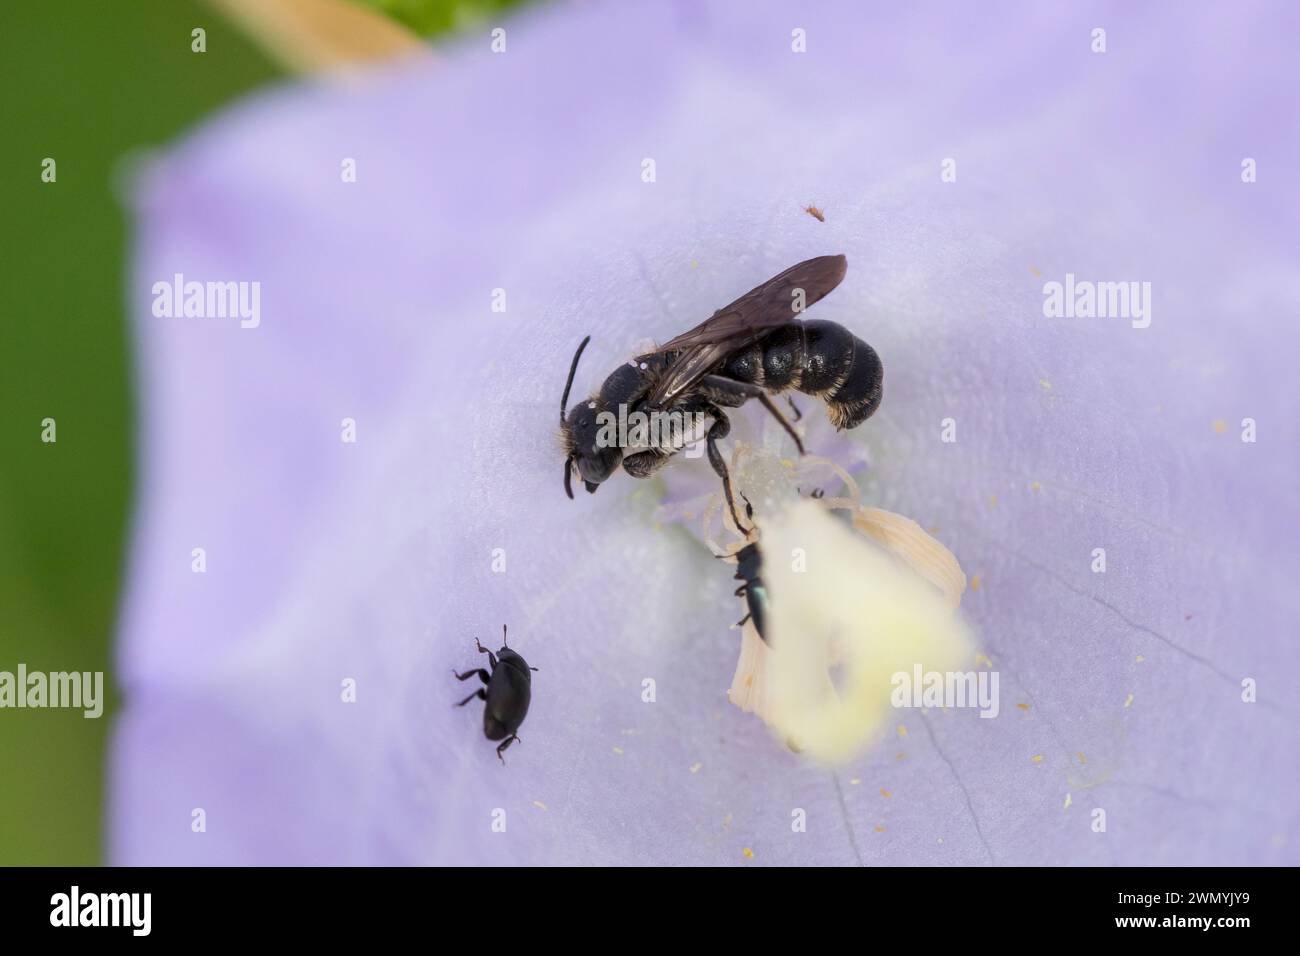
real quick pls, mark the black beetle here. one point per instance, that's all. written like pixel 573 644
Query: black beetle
pixel 749 569
pixel 508 693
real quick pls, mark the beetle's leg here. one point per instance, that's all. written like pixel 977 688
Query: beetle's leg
pixel 741 622
pixel 481 694
pixel 739 592
pixel 492 658
pixel 504 744
pixel 482 675
pixel 721 384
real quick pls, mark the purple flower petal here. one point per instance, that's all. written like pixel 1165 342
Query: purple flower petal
pixel 373 561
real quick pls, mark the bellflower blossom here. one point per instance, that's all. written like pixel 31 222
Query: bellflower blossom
pixel 338 499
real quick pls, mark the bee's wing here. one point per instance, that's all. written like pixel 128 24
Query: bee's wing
pixel 757 312
pixel 766 307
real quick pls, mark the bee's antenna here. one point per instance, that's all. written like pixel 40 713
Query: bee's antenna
pixel 504 635
pixel 568 473
pixel 573 369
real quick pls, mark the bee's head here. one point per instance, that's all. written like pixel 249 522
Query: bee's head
pixel 580 431
pixel 592 461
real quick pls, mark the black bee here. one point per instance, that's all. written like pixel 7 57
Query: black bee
pixel 753 346
pixel 509 691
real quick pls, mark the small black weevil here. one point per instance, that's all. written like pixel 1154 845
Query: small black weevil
pixel 508 693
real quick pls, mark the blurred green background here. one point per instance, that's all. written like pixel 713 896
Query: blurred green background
pixel 87 82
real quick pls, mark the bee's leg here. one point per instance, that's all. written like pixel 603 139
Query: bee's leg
pixel 727 392
pixel 768 404
pixel 720 428
pixel 481 694
pixel 794 408
pixel 731 388
pixel 645 463
pixel 721 384
pixel 483 675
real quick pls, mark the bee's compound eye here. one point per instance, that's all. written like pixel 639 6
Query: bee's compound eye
pixel 582 423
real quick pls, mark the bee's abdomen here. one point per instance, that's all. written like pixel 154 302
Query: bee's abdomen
pixel 825 360
pixel 772 361
pixel 747 366
pixel 857 396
